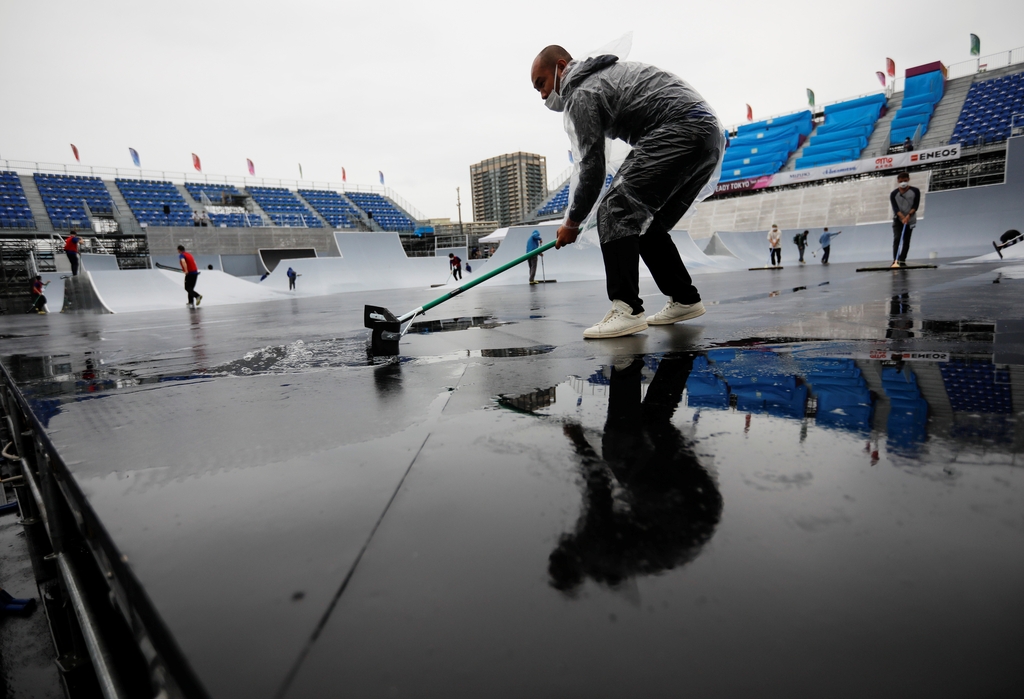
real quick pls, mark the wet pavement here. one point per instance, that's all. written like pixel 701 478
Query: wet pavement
pixel 815 489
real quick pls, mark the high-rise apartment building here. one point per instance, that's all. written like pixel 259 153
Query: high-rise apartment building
pixel 508 187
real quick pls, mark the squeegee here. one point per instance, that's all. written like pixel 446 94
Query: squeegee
pixel 387 328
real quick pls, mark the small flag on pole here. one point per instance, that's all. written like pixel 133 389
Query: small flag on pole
pixel 74 149
pixel 300 171
pixel 890 67
pixel 381 173
pixel 135 157
pixel 196 164
pixel 344 177
pixel 750 113
pixel 810 97
pixel 881 77
pixel 252 168
pixel 975 45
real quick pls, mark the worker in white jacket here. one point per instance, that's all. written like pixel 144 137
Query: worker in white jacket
pixel 775 245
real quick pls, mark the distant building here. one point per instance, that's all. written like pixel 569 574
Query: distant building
pixel 446 226
pixel 508 187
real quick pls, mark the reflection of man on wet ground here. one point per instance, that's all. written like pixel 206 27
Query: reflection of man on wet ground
pixel 649 506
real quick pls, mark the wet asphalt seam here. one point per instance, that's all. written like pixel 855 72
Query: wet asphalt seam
pixel 294 671
pixel 322 624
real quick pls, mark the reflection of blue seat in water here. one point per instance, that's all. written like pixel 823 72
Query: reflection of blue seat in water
pixel 848 407
pixel 774 400
pixel 706 390
pixel 722 355
pixel 908 416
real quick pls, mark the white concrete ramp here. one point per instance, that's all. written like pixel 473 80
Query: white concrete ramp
pixel 368 261
pixel 131 290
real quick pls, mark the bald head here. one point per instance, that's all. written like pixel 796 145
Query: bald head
pixel 551 61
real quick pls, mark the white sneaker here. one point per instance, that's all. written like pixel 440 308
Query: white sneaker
pixel 674 312
pixel 619 322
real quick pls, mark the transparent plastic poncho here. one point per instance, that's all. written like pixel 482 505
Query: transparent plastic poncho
pixel 638 89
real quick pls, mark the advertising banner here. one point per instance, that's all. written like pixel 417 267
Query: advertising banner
pixel 895 161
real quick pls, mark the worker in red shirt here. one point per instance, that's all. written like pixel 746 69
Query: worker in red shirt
pixel 38 300
pixel 71 249
pixel 188 266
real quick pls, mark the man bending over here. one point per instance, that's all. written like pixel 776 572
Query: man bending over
pixel 677 145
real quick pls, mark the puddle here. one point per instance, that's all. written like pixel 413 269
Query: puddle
pixel 425 327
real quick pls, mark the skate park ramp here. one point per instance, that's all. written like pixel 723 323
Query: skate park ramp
pixel 958 223
pixel 97 263
pixel 202 261
pixel 270 258
pixel 582 260
pixel 134 290
pixel 368 261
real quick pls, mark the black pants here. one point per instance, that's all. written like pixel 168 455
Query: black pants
pixel 190 285
pixel 897 233
pixel 38 305
pixel 291 283
pixel 824 254
pixel 457 272
pixel 776 255
pixel 801 247
pixel 73 259
pixel 533 267
pixel 663 174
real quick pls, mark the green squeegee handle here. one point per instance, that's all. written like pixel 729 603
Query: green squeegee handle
pixel 479 280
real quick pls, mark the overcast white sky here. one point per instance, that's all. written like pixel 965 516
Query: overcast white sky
pixel 419 90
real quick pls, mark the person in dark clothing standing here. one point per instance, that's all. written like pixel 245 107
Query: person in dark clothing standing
pixel 188 266
pixel 677 150
pixel 801 243
pixel 455 262
pixel 292 276
pixel 38 299
pixel 905 201
pixel 71 250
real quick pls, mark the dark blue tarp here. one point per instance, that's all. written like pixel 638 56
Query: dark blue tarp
pixel 857 144
pixel 802 119
pixel 853 132
pixel 745 173
pixel 877 99
pixel 827 159
pixel 752 138
pixel 706 389
pixel 744 160
pixel 848 118
pixel 832 397
pixel 722 355
pixel 782 147
pixel 929 85
pixel 775 400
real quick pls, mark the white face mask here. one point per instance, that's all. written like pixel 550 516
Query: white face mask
pixel 554 100
pixel 904 185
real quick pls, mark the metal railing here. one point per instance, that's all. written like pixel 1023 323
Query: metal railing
pixel 29 167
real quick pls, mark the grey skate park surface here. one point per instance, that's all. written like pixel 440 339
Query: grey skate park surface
pixel 495 513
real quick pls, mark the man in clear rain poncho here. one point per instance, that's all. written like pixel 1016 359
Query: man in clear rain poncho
pixel 677 147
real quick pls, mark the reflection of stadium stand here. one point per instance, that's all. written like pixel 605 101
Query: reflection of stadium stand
pixel 908 411
pixel 977 387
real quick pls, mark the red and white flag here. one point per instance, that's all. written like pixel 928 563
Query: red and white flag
pixel 252 168
pixel 344 178
pixel 750 113
pixel 196 164
pixel 890 67
pixel 74 149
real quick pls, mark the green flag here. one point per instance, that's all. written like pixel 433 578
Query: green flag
pixel 975 45
pixel 810 97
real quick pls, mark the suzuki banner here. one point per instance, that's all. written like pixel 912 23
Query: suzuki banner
pixel 895 161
